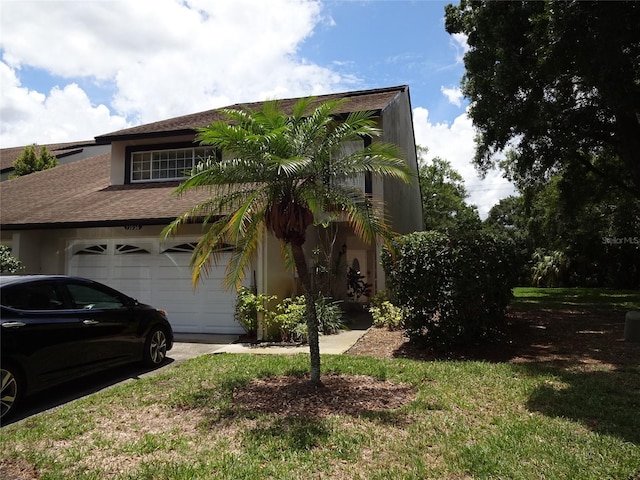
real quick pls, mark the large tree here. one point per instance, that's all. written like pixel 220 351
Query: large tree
pixel 558 81
pixel 282 173
pixel 444 196
pixel 575 218
pixel 31 160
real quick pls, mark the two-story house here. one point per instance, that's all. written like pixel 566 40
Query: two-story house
pixel 101 217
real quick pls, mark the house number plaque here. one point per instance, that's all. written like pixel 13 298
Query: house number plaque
pixel 133 227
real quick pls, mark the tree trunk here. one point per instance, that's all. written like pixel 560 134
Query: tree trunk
pixel 311 315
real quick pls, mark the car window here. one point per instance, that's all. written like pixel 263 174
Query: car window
pixel 88 297
pixel 32 296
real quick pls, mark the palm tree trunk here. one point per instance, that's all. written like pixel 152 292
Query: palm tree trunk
pixel 311 315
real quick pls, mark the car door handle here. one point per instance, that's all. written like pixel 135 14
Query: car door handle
pixel 13 324
pixel 90 322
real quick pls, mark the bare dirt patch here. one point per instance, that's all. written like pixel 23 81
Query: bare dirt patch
pixel 17 469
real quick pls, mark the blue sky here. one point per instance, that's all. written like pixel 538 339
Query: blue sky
pixel 392 42
pixel 71 69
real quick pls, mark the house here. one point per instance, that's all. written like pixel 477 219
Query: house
pixel 101 217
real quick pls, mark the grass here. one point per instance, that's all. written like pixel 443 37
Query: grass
pixel 600 299
pixel 468 420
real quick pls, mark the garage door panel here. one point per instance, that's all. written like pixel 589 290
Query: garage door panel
pixel 132 272
pixel 164 281
pixel 99 275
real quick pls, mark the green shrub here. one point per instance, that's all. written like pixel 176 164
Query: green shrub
pixel 288 320
pixel 385 314
pixel 248 305
pixel 550 268
pixel 8 263
pixel 453 290
pixel 329 313
pixel 289 323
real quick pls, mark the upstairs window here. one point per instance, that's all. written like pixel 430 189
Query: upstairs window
pixel 164 165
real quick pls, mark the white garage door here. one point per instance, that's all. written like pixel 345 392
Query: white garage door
pixel 159 274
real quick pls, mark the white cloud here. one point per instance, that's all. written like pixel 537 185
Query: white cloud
pixel 164 58
pixel 455 142
pixel 61 115
pixel 459 43
pixel 454 95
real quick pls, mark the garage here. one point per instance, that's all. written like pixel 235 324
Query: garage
pixel 158 273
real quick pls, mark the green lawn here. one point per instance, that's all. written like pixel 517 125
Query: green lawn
pixel 575 298
pixel 467 420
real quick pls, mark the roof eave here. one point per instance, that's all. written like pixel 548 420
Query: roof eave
pixel 87 224
pixel 106 139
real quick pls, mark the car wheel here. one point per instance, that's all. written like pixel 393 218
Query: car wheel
pixel 155 348
pixel 11 389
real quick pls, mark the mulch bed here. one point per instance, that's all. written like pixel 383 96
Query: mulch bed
pixel 572 337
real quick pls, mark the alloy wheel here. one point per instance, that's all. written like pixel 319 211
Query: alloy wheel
pixel 9 392
pixel 157 347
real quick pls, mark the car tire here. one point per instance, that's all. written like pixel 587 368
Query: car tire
pixel 155 348
pixel 11 389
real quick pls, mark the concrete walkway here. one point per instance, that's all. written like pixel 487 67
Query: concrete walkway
pixel 329 344
pixel 192 345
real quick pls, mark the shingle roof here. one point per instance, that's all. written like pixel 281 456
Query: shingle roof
pixel 362 100
pixel 78 194
pixel 8 156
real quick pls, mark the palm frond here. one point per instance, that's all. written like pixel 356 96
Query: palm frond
pixel 244 253
pixel 301 107
pixel 237 228
pixel 383 159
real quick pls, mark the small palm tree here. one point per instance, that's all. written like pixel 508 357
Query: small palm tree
pixel 285 174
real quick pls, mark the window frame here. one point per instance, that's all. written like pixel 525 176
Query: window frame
pixel 158 149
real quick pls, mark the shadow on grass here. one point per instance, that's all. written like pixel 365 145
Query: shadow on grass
pixel 75 389
pixel 292 433
pixel 597 373
pixel 606 402
pixel 573 337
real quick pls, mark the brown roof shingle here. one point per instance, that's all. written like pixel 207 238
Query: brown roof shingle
pixel 78 194
pixel 363 100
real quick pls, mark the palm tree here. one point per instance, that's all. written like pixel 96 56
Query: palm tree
pixel 285 173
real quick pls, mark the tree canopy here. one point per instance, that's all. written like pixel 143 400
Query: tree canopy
pixel 574 230
pixel 30 160
pixel 557 81
pixel 444 195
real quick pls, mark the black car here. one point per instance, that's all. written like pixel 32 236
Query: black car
pixel 56 328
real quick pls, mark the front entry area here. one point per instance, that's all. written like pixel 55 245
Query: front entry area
pixel 158 273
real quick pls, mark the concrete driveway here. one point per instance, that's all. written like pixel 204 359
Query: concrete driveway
pixel 187 345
